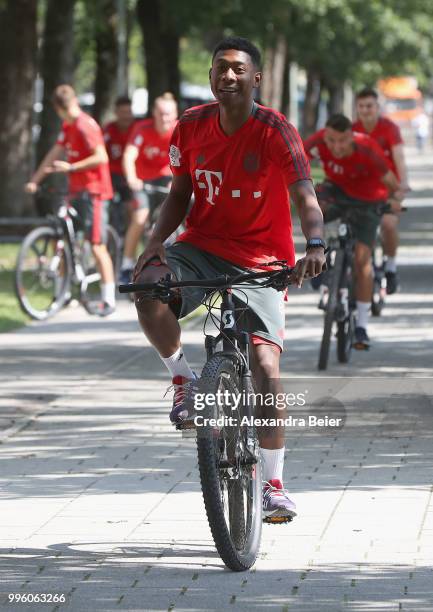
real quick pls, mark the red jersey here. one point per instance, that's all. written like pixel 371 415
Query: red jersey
pixel 359 175
pixel 115 141
pixel 152 161
pixel 242 210
pixel 80 140
pixel 387 135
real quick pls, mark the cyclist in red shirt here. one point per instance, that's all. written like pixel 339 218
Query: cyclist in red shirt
pixel 116 134
pixel 241 160
pixel 387 134
pixel 357 172
pixel 146 161
pixel 89 182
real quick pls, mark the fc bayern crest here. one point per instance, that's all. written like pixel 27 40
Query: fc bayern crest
pixel 251 162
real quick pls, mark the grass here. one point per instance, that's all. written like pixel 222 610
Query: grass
pixel 11 316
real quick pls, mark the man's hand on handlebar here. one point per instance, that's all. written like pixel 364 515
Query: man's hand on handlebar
pixel 309 266
pixel 31 187
pixel 135 184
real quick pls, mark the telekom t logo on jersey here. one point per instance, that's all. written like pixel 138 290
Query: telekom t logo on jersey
pixel 212 188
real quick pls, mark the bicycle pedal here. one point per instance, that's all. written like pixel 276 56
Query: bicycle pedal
pixel 360 346
pixel 277 520
pixel 185 426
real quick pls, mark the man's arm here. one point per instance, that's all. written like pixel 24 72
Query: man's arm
pixel 128 163
pixel 44 168
pixel 172 213
pixel 311 217
pixel 400 163
pixel 390 180
pixel 99 156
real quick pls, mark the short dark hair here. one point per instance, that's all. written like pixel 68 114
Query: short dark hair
pixel 240 44
pixel 123 101
pixel 339 122
pixel 367 92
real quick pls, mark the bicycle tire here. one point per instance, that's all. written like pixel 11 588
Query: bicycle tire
pixel 334 281
pixel 114 248
pixel 46 272
pixel 90 285
pixel 377 301
pixel 345 331
pixel 237 533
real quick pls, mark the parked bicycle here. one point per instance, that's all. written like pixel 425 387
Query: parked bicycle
pixel 228 453
pixel 55 258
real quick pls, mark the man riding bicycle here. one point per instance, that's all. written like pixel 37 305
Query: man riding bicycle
pixel 387 135
pixel 146 160
pixel 116 134
pixel 357 172
pixel 241 160
pixel 89 183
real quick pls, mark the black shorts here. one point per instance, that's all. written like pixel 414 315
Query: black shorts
pixel 92 215
pixel 121 189
pixel 364 218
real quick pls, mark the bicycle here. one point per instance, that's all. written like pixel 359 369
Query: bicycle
pixel 228 454
pixel 55 257
pixel 340 306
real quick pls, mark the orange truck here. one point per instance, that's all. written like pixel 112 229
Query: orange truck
pixel 400 98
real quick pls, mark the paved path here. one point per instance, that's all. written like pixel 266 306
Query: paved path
pixel 100 499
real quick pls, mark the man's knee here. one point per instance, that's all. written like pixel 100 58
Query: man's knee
pixel 152 273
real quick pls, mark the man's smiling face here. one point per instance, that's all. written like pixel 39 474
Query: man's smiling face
pixel 233 76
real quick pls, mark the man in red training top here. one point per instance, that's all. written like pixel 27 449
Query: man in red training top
pixel 116 134
pixel 89 182
pixel 357 174
pixel 387 134
pixel 241 160
pixel 145 161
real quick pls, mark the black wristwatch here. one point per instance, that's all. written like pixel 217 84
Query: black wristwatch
pixel 314 243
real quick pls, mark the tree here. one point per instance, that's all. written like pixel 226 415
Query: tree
pixel 161 46
pixel 18 50
pixel 106 29
pixel 56 66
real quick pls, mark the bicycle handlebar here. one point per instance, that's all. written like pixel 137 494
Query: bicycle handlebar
pixel 279 279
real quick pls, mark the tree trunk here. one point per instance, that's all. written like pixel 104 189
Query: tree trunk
pixel 18 51
pixel 106 59
pixel 57 66
pixel 273 74
pixel 161 47
pixel 336 97
pixel 310 113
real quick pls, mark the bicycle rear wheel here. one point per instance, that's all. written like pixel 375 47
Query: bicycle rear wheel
pixel 334 282
pixel 43 273
pixel 231 481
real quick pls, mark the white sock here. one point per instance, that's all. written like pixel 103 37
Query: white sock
pixel 177 364
pixel 127 263
pixel 272 463
pixel 363 311
pixel 108 293
pixel 390 264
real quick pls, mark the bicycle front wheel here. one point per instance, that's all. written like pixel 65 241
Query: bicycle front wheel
pixel 230 475
pixel 43 273
pixel 91 283
pixel 334 282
